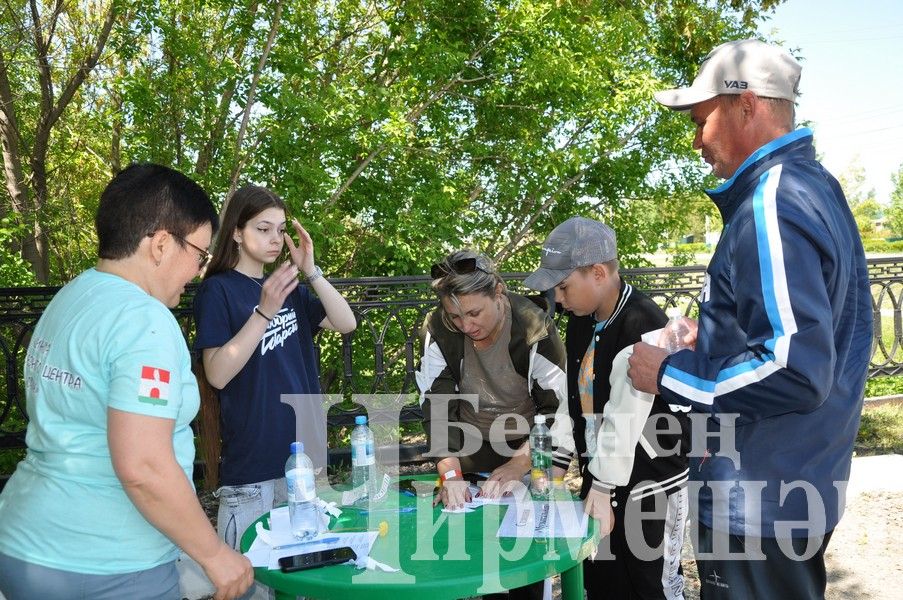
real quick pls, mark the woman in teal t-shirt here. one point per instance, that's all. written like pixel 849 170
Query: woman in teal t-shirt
pixel 104 498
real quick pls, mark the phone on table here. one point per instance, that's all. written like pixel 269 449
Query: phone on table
pixel 321 558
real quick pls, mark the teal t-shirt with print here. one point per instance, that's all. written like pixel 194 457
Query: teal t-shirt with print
pixel 102 343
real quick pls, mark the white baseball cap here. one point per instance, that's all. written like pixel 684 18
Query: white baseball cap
pixel 736 67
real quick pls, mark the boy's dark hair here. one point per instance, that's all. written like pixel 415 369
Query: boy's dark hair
pixel 144 198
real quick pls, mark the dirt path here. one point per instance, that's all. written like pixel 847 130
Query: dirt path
pixel 865 556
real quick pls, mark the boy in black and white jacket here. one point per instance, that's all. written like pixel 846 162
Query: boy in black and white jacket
pixel 631 446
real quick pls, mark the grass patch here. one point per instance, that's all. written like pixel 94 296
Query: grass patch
pixel 884 386
pixel 881 430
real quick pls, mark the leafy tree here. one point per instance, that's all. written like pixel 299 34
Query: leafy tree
pixel 866 213
pixel 46 55
pixel 860 197
pixel 395 130
pixel 855 185
pixel 895 211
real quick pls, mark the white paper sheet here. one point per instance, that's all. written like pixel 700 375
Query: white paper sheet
pixel 278 541
pixel 480 501
pixel 557 519
pixel 511 498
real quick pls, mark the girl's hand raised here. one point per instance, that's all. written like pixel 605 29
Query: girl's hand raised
pixel 303 253
pixel 276 289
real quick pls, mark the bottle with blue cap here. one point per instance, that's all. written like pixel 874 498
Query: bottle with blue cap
pixel 363 460
pixel 303 509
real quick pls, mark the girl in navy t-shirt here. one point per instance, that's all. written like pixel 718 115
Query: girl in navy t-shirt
pixel 255 334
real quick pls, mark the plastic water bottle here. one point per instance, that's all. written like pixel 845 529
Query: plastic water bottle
pixel 363 460
pixel 675 331
pixel 303 510
pixel 540 459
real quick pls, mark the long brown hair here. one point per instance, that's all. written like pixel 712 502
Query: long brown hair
pixel 208 427
pixel 246 203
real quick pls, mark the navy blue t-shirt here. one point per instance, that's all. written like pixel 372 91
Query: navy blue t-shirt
pixel 256 427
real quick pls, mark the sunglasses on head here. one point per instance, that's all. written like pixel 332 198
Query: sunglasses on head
pixel 462 266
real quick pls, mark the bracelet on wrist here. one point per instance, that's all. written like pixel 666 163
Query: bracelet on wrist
pixel 451 473
pixel 318 272
pixel 260 312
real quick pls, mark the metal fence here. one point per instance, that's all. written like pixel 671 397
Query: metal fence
pixel 381 355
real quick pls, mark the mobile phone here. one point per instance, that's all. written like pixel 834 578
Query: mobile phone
pixel 321 558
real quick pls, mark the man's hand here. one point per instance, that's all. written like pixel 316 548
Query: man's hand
pixel 644 365
pixel 598 506
pixel 689 339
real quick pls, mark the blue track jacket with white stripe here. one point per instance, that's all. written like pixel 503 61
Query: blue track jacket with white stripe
pixel 785 333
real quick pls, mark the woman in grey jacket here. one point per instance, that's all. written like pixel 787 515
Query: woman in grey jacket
pixel 489 358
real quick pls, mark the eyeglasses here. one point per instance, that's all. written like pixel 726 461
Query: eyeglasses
pixel 462 266
pixel 204 256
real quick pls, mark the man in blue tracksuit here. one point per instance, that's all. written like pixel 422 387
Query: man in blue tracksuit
pixel 783 339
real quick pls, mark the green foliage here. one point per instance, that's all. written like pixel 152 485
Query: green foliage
pixel 895 211
pixel 881 428
pixel 682 256
pixel 14 271
pixel 855 185
pixel 9 458
pixel 882 246
pixel 860 197
pixel 865 213
pixel 396 131
pixel 883 386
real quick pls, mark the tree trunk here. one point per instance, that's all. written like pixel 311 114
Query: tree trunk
pixel 9 138
pixel 35 247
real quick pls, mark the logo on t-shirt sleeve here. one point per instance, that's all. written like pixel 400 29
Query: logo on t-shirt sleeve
pixel 153 388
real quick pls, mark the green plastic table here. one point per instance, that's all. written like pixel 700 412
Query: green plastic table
pixel 440 556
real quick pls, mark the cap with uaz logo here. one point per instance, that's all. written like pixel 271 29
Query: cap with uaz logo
pixel 736 67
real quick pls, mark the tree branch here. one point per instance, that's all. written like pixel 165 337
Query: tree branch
pixel 45 81
pixel 82 72
pixel 207 153
pixel 412 117
pixel 239 160
pixel 552 198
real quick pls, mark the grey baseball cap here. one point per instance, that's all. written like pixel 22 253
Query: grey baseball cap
pixel 578 242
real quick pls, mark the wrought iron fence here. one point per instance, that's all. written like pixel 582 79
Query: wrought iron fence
pixel 382 354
